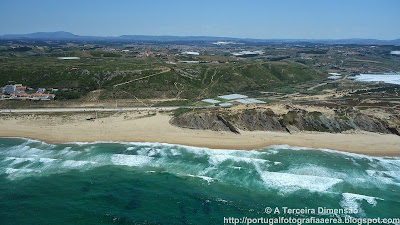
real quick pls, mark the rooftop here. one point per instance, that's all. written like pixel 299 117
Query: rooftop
pixel 69 58
pixel 249 100
pixel 226 104
pixel 212 101
pixel 232 96
pixel 190 53
pixel 189 61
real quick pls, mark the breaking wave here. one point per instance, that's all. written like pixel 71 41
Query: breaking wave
pixel 282 169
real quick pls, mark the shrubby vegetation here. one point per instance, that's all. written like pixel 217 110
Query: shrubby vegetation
pixel 97 69
pixel 185 81
pixel 68 95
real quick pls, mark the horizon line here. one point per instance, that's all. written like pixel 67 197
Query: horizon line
pixel 211 36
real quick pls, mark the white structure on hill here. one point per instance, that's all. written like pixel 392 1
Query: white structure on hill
pixel 249 101
pixel 190 53
pixel 212 101
pixel 248 53
pixel 189 61
pixel 226 104
pixel 232 96
pixel 63 58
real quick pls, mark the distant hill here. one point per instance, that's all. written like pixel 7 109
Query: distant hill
pixel 42 35
pixel 63 36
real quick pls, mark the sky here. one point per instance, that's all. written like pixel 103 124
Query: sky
pixel 265 19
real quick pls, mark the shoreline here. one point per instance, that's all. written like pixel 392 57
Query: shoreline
pixel 283 146
pixel 136 127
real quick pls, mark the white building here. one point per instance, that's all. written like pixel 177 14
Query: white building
pixel 232 96
pixel 64 58
pixel 248 53
pixel 226 104
pixel 212 101
pixel 189 61
pixel 249 101
pixel 190 53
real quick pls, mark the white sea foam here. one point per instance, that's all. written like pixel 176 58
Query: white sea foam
pixel 278 147
pixel 207 170
pixel 354 162
pixel 47 160
pixel 76 163
pixel 222 200
pixel 130 160
pixel 393 174
pixel 175 152
pixel 353 155
pixel 90 148
pixel 379 177
pixel 161 146
pixel 353 201
pixel 27 140
pixel 68 152
pixel 352 176
pixel 208 179
pixel 208 151
pixel 17 160
pixel 153 152
pixel 218 159
pixel 13 171
pixel 292 182
pixel 237 167
pixel 389 164
pixel 145 144
pixel 273 151
pixel 319 171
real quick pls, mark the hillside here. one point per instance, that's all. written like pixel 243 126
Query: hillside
pixel 121 77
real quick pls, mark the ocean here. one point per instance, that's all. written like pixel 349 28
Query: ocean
pixel 153 183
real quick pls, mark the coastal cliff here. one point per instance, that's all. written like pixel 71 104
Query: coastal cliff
pixel 295 120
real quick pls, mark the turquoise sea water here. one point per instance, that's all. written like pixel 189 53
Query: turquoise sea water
pixel 149 183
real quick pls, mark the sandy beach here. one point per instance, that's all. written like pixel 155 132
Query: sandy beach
pixel 145 127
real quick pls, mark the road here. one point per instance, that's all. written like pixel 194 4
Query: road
pixel 163 70
pixel 117 109
pixel 309 89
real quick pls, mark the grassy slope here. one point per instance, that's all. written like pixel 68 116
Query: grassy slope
pixel 184 80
